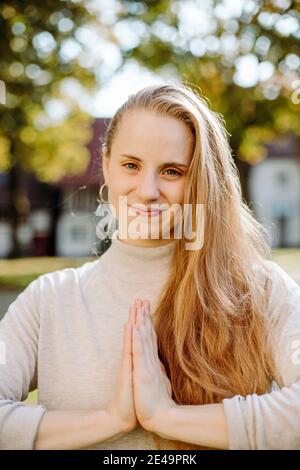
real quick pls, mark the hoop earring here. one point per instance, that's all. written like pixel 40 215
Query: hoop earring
pixel 107 226
pixel 100 193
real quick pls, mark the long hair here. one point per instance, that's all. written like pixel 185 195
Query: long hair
pixel 210 321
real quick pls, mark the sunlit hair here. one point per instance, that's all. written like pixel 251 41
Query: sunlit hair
pixel 210 320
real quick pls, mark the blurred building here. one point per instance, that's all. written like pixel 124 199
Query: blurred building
pixel 55 219
pixel 76 220
pixel 274 191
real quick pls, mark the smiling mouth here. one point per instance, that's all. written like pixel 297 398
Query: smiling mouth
pixel 149 212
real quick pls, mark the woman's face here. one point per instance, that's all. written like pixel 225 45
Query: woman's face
pixel 150 155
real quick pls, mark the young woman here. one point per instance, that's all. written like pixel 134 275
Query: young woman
pixel 160 343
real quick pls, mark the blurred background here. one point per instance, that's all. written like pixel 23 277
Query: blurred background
pixel 66 66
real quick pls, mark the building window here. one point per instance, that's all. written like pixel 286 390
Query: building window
pixel 78 233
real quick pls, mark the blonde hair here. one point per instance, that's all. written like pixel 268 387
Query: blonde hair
pixel 210 321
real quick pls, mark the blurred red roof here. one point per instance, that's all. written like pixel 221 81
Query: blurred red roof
pixel 93 174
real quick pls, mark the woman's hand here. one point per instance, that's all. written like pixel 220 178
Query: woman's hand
pixel 121 408
pixel 151 386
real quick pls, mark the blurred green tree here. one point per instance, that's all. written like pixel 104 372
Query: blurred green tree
pixel 39 51
pixel 243 56
pixel 42 129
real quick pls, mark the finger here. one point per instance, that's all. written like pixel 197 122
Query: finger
pixel 169 386
pixel 149 327
pixel 127 341
pixel 137 351
pixel 139 317
pixel 125 368
pixel 137 303
pixel 153 336
pixel 145 338
pixel 132 315
pixel 140 369
pixel 154 346
pixel 162 367
pixel 166 378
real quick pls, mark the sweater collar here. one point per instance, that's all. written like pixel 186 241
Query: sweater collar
pixel 134 263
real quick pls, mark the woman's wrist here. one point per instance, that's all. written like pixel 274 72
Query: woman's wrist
pixel 161 423
pixel 119 425
pixel 203 425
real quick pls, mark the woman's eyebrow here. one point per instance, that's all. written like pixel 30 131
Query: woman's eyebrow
pixel 164 164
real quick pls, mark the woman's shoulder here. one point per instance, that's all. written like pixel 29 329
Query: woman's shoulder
pixel 68 276
pixel 283 300
pixel 49 295
pixel 279 280
pixel 283 321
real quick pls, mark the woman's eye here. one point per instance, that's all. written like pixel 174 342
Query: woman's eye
pixel 130 163
pixel 175 171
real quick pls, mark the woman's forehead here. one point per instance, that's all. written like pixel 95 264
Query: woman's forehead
pixel 144 128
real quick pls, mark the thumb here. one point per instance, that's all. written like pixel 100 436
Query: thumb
pixel 166 378
pixel 126 359
pixel 126 351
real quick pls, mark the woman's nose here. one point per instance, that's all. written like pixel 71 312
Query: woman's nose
pixel 148 188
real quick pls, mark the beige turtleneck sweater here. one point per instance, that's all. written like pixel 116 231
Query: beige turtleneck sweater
pixel 63 335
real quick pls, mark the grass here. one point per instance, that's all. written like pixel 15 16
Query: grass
pixel 289 260
pixel 18 273
pixel 31 399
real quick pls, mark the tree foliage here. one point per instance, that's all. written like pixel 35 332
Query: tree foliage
pixel 205 43
pixel 41 129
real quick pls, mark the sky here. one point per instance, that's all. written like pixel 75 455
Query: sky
pixel 196 31
pixel 134 77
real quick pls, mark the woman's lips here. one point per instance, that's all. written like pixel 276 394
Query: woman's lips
pixel 150 213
